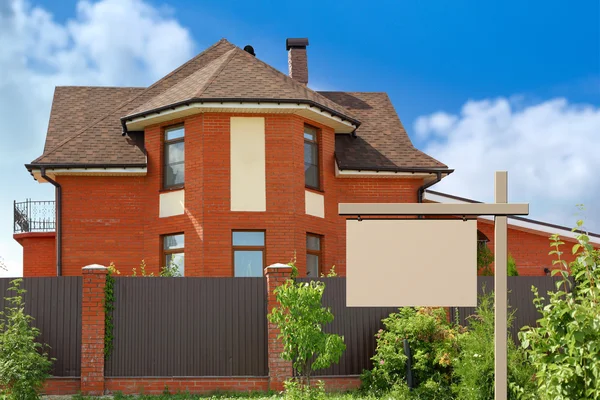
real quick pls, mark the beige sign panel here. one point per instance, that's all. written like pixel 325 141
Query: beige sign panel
pixel 411 263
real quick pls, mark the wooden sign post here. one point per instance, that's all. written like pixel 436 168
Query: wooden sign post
pixel 500 209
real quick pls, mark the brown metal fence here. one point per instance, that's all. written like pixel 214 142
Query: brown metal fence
pixel 55 305
pixel 358 325
pixel 189 327
pixel 520 299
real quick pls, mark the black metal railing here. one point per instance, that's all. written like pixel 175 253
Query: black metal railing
pixel 34 216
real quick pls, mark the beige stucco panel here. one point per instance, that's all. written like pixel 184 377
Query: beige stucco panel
pixel 171 203
pixel 411 263
pixel 248 175
pixel 314 204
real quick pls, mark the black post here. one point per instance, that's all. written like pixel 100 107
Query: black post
pixel 409 376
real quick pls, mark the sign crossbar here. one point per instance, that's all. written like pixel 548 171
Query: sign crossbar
pixel 403 209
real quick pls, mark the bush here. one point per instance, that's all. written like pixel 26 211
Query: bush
pixel 564 348
pixel 300 318
pixel 24 365
pixel 296 391
pixel 433 344
pixel 511 267
pixel 474 366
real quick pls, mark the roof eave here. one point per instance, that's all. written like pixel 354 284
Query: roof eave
pixel 432 170
pixel 224 100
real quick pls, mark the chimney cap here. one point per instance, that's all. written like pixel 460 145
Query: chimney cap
pixel 297 43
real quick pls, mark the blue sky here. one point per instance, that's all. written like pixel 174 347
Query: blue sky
pixel 463 76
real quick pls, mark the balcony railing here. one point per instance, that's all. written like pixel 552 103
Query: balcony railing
pixel 34 216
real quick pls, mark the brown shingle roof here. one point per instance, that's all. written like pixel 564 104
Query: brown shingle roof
pixel 85 122
pixel 74 107
pixel 382 142
pixel 100 141
pixel 238 75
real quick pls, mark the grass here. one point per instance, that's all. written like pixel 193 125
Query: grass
pixel 220 396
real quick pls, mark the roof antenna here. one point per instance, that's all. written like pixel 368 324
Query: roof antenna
pixel 249 49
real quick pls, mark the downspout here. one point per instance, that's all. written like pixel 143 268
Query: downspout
pixel 422 189
pixel 58 198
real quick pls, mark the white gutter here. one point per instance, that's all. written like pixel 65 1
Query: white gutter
pixel 352 173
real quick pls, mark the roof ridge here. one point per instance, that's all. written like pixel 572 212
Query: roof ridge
pixel 228 57
pixel 83 130
pixel 101 87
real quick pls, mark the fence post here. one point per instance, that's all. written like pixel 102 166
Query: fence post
pixel 279 369
pixel 92 330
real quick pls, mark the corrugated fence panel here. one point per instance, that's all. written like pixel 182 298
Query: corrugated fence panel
pixel 520 299
pixel 358 325
pixel 55 305
pixel 189 327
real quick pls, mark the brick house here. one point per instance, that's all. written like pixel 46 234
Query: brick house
pixel 223 166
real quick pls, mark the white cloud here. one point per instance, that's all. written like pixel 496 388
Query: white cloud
pixel 107 43
pixel 550 150
pixel 434 124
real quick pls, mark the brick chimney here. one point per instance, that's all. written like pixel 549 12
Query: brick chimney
pixel 297 61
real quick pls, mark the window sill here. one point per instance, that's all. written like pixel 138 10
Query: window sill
pixel 171 189
pixel 312 189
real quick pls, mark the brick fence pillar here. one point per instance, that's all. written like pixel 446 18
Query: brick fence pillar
pixel 92 330
pixel 279 369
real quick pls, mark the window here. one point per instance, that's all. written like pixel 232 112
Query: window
pixel 313 255
pixel 173 251
pixel 174 159
pixel 311 158
pixel 248 253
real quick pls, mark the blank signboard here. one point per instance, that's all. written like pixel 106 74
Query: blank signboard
pixel 405 262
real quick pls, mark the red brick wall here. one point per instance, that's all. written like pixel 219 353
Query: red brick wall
pixel 192 385
pixel 116 218
pixel 61 386
pixel 528 248
pixel 102 221
pixel 92 330
pixel 39 253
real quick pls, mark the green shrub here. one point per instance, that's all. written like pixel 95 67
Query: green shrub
pixel 485 258
pixel 433 345
pixel 474 366
pixel 294 390
pixel 564 348
pixel 300 318
pixel 511 266
pixel 24 365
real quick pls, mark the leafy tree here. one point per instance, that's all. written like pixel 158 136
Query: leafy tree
pixel 24 364
pixel 300 318
pixel 485 258
pixel 511 268
pixel 564 347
